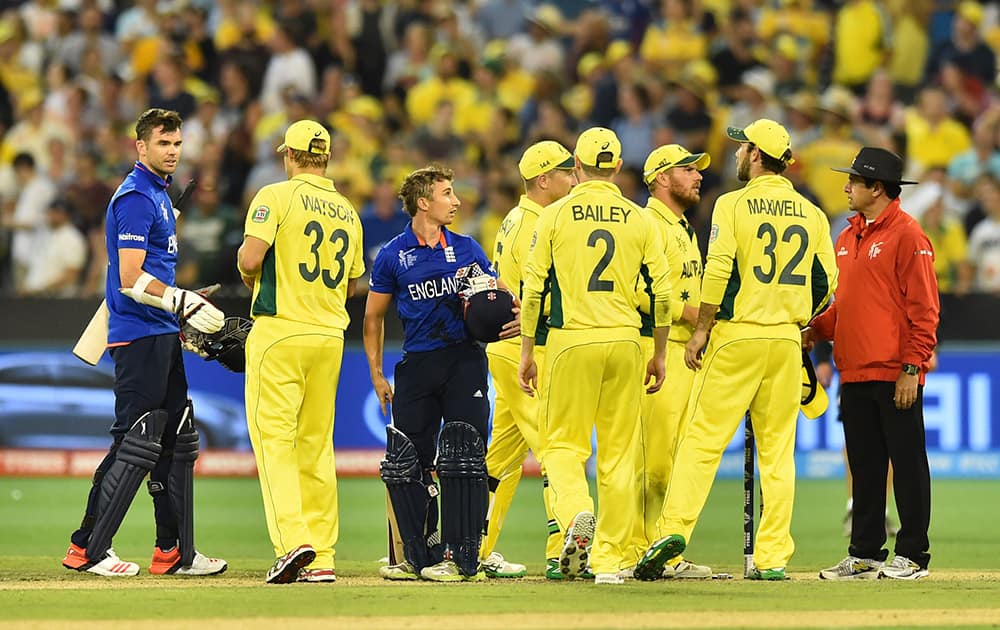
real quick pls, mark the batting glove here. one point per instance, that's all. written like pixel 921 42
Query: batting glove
pixel 193 309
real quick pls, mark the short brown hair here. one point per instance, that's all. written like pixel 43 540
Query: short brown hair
pixel 420 183
pixel 594 171
pixel 153 118
pixel 308 159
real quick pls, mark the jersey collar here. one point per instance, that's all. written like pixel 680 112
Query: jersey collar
pixel 412 240
pixel 596 185
pixel 769 180
pixel 661 209
pixel 153 177
pixel 316 180
pixel 529 206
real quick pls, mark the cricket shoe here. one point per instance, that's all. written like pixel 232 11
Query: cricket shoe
pixel 552 571
pixel 111 566
pixel 169 563
pixel 496 567
pixel 403 571
pixel 686 570
pixel 448 571
pixel 776 574
pixel 650 565
pixel 576 547
pixel 286 568
pixel 316 575
pixel 902 568
pixel 852 568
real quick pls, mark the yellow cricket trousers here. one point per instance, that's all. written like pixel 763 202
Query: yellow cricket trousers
pixel 745 366
pixel 291 388
pixel 515 430
pixel 593 378
pixel 663 417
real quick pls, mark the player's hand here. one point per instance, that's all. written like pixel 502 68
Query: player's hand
pixel 656 371
pixel 906 390
pixel 527 376
pixel 809 339
pixel 248 281
pixel 693 349
pixel 824 373
pixel 512 328
pixel 195 310
pixel 383 390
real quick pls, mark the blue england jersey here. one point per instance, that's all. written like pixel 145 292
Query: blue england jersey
pixel 140 216
pixel 425 281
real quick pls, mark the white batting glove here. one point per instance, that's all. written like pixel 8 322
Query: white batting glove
pixel 193 309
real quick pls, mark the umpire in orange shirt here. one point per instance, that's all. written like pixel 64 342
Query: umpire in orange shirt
pixel 883 324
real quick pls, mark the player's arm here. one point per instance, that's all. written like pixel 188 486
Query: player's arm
pixel 718 269
pixel 376 307
pixel 658 286
pixel 536 270
pixel 250 257
pixel 824 267
pixel 259 231
pixel 512 328
pixel 132 214
pixel 358 264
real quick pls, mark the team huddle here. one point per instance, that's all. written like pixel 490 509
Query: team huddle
pixel 592 313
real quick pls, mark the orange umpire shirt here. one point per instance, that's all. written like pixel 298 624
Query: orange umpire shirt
pixel 886 307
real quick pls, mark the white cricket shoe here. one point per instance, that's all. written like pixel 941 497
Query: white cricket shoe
pixel 902 568
pixel 496 567
pixel 852 568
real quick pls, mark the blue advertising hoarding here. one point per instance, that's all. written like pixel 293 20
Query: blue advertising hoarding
pixel 962 415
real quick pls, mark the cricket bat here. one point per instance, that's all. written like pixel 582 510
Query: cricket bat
pixel 90 346
pixel 92 343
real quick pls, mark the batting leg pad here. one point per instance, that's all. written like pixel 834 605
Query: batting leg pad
pixel 461 469
pixel 180 484
pixel 411 494
pixel 136 456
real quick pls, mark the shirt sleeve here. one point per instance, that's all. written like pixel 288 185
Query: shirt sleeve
pixel 383 278
pixel 134 218
pixel 654 259
pixel 479 255
pixel 358 264
pixel 262 218
pixel 824 267
pixel 536 271
pixel 721 253
pixel 918 285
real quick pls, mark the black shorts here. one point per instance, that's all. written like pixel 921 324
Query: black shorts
pixel 149 374
pixel 449 383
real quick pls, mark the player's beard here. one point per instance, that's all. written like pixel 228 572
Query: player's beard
pixel 743 168
pixel 686 195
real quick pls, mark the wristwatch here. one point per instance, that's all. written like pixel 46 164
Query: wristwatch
pixel 909 368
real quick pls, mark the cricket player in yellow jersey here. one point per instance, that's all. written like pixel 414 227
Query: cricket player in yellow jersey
pixel 673 176
pixel 770 268
pixel 547 170
pixel 588 254
pixel 301 256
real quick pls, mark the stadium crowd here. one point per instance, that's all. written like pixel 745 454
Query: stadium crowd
pixel 470 84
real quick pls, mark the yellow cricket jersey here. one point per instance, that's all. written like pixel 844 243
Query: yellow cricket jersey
pixel 861 33
pixel 684 260
pixel 770 257
pixel 315 239
pixel 587 254
pixel 510 253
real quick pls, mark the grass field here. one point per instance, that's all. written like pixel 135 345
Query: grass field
pixel 36 516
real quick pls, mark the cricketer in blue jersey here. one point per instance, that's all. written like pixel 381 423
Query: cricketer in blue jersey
pixel 442 376
pixel 153 431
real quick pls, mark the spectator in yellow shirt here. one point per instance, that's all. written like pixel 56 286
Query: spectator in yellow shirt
pixel 933 136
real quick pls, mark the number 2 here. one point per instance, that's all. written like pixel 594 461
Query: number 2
pixel 596 284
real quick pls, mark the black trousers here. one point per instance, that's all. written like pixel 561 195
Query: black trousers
pixel 876 433
pixel 450 384
pixel 149 374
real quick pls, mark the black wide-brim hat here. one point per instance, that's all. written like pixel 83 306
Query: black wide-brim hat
pixel 878 164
